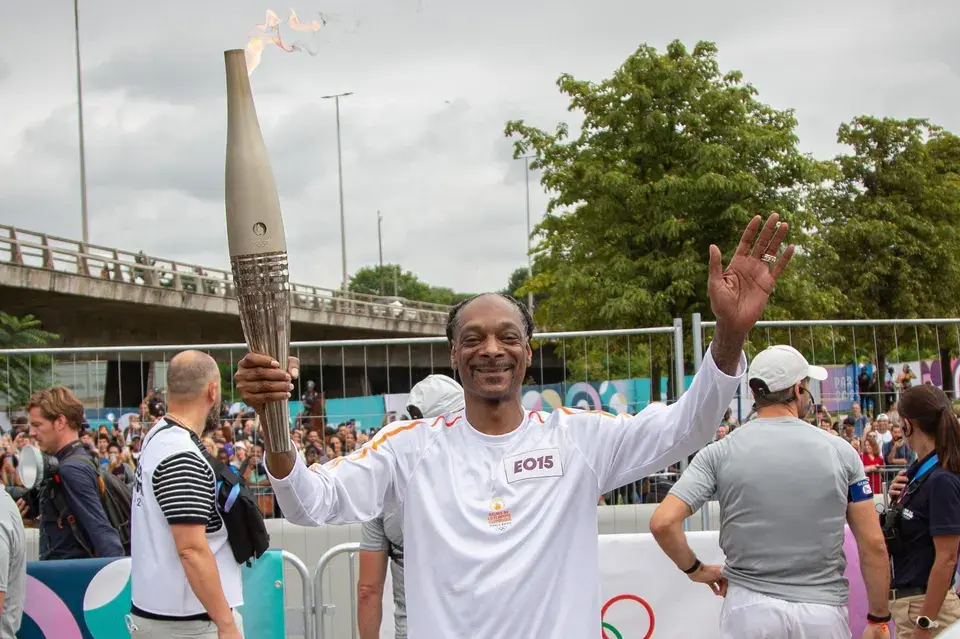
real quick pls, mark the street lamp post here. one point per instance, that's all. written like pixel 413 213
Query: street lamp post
pixel 526 164
pixel 343 222
pixel 380 244
pixel 83 161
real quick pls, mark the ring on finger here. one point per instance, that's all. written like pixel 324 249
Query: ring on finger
pixel 768 258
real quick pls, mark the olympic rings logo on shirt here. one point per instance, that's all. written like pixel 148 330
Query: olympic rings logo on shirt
pixel 616 634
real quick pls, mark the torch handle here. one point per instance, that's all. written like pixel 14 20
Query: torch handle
pixel 263 295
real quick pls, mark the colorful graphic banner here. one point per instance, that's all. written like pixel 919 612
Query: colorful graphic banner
pixel 89 598
pixel 615 396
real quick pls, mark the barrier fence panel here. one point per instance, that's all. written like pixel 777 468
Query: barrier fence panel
pixel 347 390
pixel 325 610
pixel 870 362
pixel 299 620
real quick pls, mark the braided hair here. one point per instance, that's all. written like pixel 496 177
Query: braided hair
pixel 453 318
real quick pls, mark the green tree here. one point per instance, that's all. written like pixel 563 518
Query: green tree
pixel 673 155
pixel 393 280
pixel 890 223
pixel 400 283
pixel 517 279
pixel 20 375
pixel 515 287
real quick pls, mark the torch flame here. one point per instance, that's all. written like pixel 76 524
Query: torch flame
pixel 269 33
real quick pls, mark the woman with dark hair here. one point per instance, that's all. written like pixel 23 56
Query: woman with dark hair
pixel 923 524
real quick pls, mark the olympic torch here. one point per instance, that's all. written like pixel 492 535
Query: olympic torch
pixel 258 249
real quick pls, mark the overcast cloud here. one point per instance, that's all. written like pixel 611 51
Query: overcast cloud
pixel 434 83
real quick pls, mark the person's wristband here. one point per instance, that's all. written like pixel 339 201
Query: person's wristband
pixel 879 620
pixel 693 568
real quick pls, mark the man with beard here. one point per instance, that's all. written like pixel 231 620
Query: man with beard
pixel 185 579
pixel 499 504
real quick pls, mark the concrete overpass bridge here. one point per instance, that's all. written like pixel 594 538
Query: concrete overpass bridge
pixel 122 314
pixel 96 296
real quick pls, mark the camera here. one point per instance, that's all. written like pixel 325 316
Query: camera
pixel 890 526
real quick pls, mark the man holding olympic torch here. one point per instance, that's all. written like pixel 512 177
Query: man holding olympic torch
pixel 499 503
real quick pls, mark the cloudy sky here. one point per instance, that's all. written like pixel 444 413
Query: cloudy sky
pixel 434 83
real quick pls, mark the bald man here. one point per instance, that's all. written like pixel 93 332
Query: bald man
pixel 185 580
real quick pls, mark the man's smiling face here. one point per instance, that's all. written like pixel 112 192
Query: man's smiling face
pixel 491 350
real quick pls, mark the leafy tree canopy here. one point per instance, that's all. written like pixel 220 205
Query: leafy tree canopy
pixel 673 155
pixel 889 221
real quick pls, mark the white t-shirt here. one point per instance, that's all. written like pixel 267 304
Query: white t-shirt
pixel 500 532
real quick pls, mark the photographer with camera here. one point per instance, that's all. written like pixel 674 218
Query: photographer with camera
pixel 73 523
pixel 922 525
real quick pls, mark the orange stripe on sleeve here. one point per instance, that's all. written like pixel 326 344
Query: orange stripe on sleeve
pixel 375 443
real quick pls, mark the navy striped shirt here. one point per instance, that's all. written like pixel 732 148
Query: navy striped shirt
pixel 184 486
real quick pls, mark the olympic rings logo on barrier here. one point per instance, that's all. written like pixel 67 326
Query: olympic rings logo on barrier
pixel 604 626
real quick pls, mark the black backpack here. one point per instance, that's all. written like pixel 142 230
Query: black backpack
pixel 115 496
pixel 246 531
pixel 240 511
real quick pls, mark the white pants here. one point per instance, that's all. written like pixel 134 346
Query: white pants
pixel 750 615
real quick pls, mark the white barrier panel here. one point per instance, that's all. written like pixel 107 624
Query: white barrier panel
pixel 641 591
pixel 644 592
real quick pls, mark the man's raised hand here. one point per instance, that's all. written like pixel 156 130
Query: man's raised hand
pixel 739 294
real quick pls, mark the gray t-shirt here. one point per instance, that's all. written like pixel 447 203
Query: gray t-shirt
pixel 13 566
pixel 783 487
pixel 386 533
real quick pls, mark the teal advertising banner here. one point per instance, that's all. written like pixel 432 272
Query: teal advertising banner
pixel 88 599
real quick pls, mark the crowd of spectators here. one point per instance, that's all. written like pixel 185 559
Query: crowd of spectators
pixel 877 436
pixel 236 442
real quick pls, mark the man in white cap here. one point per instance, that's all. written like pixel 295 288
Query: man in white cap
pixel 785 489
pixel 382 538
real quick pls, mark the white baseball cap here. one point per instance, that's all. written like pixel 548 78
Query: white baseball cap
pixel 436 395
pixel 780 367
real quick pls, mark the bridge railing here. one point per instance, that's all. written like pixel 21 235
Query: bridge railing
pixel 49 252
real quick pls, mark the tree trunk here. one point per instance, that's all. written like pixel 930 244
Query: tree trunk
pixel 946 371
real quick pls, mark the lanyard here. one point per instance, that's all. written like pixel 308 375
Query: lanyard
pixel 923 470
pixel 926 468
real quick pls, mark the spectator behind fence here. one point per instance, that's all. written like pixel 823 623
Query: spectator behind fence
pixel 923 524
pixel 13 567
pixel 872 462
pixel 782 516
pixel 381 540
pixel 860 421
pixel 882 428
pixel 73 523
pixel 897 452
pixel 185 579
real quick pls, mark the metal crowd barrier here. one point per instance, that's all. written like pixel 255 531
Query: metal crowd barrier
pixel 305 613
pixel 928 348
pixel 324 610
pixel 614 370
